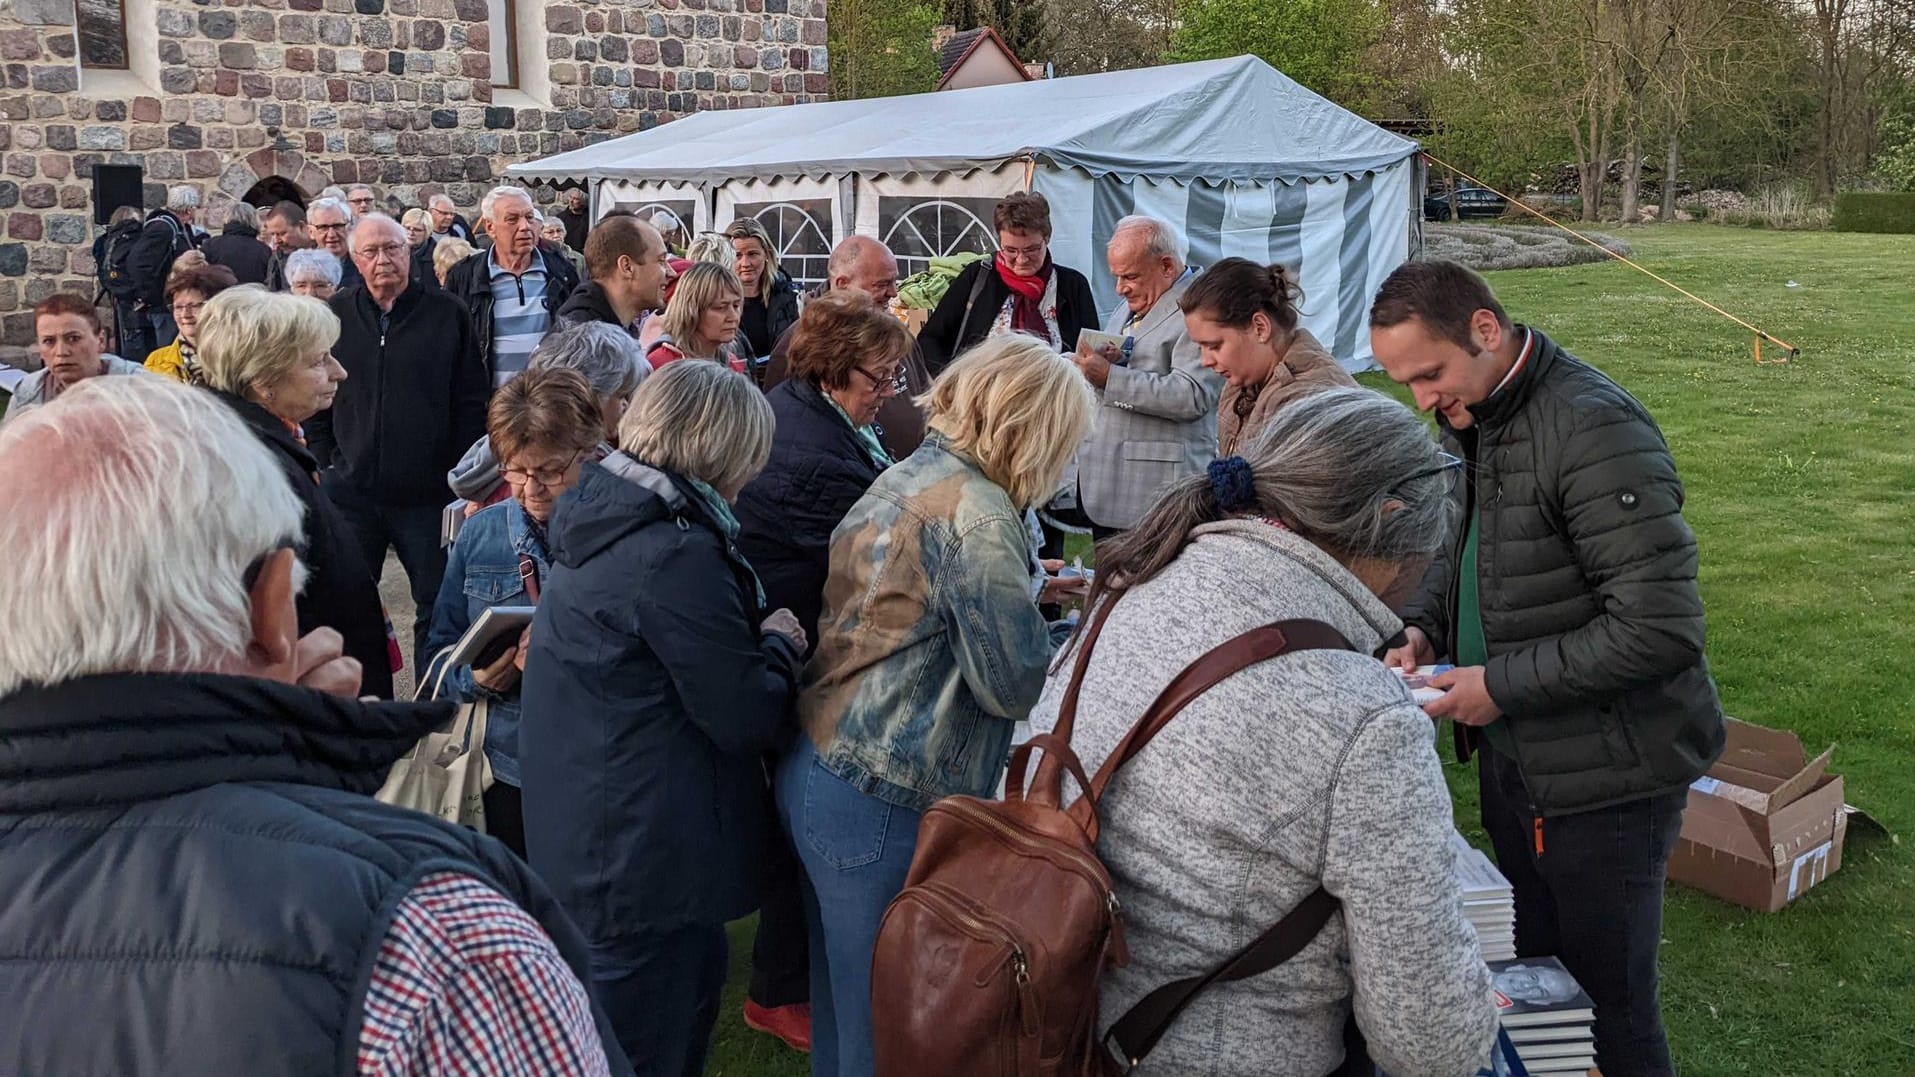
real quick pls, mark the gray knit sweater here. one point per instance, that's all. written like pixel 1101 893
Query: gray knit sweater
pixel 1312 767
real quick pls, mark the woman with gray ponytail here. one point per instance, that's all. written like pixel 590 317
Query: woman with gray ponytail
pixel 1311 769
pixel 1243 318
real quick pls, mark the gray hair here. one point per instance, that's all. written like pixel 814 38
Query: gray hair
pixel 361 187
pixel 185 196
pixel 701 420
pixel 1351 470
pixel 712 247
pixel 442 200
pixel 497 194
pixel 1160 238
pixel 336 205
pixel 140 473
pixel 373 220
pixel 243 213
pixel 332 190
pixel 318 262
pixel 605 355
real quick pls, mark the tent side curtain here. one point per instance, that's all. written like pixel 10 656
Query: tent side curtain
pixel 1342 236
pixel 686 201
pixel 923 217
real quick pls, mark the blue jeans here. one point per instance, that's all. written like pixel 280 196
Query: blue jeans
pixel 660 992
pixel 856 850
pixel 163 330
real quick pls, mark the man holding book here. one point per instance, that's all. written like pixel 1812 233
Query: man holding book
pixel 1568 604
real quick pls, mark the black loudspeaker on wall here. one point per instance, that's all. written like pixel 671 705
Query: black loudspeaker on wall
pixel 115 186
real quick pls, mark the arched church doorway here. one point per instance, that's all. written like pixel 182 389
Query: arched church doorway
pixel 273 190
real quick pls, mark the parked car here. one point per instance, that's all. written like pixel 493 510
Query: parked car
pixel 1470 202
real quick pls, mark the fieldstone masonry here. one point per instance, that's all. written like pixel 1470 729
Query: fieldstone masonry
pixel 395 93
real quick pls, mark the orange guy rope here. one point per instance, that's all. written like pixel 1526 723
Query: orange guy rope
pixel 1760 336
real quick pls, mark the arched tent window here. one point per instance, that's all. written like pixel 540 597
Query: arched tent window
pixel 800 231
pixel 918 231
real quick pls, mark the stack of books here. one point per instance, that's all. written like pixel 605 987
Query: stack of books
pixel 1547 1015
pixel 1488 901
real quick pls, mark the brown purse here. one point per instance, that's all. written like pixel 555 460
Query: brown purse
pixel 989 960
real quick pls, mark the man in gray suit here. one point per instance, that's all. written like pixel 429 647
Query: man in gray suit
pixel 1158 422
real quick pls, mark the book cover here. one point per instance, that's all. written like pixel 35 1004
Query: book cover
pixel 1539 991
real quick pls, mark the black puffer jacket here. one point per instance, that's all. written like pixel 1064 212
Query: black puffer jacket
pixel 238 248
pixel 1587 584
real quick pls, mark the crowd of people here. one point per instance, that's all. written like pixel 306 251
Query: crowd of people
pixel 798 575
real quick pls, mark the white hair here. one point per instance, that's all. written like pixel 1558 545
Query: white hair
pixel 333 191
pixel 185 196
pixel 336 205
pixel 314 260
pixel 1160 239
pixel 127 549
pixel 494 196
pixel 375 220
pixel 442 200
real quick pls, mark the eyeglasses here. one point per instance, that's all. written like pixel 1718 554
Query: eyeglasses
pixel 547 477
pixel 391 251
pixel 1015 253
pixel 889 385
pixel 186 308
pixel 340 227
pixel 1451 467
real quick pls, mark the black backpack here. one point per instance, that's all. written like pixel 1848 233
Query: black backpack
pixel 116 279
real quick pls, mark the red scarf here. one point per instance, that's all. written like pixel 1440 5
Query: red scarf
pixel 1026 316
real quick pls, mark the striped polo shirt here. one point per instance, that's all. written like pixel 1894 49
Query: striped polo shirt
pixel 519 317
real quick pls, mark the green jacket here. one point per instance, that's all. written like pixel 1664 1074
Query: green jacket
pixel 1587 584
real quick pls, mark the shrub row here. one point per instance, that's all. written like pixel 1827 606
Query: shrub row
pixel 1875 211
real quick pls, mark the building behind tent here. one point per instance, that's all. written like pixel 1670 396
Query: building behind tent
pixel 276 99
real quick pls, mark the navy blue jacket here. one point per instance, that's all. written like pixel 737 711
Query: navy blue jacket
pixel 649 695
pixel 819 468
pixel 197 882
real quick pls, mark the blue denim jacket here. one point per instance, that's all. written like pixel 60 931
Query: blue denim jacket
pixel 483 570
pixel 930 646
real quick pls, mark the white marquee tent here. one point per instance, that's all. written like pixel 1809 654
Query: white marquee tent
pixel 1245 161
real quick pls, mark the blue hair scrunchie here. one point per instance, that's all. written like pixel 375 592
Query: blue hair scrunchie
pixel 1234 484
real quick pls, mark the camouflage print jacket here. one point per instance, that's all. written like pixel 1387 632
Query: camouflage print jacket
pixel 930 646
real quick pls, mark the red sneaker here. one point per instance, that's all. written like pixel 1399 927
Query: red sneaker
pixel 791 1024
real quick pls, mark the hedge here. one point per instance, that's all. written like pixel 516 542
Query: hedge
pixel 1875 211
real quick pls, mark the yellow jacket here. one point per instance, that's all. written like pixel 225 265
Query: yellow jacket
pixel 172 362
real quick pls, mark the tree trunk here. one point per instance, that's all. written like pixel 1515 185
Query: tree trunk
pixel 1631 169
pixel 1670 157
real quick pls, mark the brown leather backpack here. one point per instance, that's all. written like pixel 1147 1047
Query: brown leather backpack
pixel 989 960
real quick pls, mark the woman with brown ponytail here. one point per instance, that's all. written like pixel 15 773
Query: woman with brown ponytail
pixel 1243 316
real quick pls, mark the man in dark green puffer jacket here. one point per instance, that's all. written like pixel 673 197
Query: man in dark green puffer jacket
pixel 1568 603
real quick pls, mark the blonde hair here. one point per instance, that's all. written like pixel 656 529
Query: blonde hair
pixel 752 228
pixel 702 421
pixel 1016 408
pixel 449 253
pixel 416 215
pixel 250 337
pixel 700 286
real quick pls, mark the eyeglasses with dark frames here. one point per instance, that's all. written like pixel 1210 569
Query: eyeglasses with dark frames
pixel 889 386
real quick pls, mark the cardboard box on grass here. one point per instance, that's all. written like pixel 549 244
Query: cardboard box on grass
pixel 1765 824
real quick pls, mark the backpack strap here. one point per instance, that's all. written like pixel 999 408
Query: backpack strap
pixel 977 289
pixel 1135 1034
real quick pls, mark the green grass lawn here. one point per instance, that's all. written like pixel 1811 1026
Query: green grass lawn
pixel 1799 481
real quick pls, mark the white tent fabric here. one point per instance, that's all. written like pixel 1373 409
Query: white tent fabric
pixel 1241 158
pixel 1236 119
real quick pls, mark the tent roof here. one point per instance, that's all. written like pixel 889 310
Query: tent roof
pixel 1216 120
